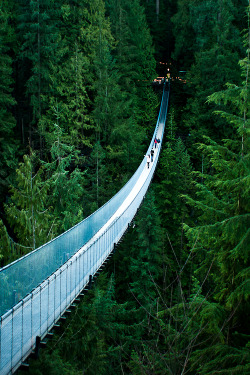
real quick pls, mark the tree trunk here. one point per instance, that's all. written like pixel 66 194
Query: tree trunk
pixel 157 9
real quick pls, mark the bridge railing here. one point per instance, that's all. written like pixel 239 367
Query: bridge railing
pixel 45 299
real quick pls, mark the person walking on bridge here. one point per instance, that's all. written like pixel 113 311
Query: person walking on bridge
pixel 148 160
pixel 155 142
pixel 152 154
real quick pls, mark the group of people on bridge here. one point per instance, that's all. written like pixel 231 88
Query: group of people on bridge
pixel 150 157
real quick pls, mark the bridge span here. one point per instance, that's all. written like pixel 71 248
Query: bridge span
pixel 37 289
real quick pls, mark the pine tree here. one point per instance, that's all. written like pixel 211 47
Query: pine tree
pixel 66 125
pixel 64 178
pixel 213 56
pixel 69 80
pixel 70 99
pixel 139 267
pixel 88 342
pixel 134 56
pixel 146 266
pixel 175 174
pixel 109 154
pixel 222 235
pixel 117 138
pixel 8 144
pixel 28 213
pixel 225 191
pixel 40 42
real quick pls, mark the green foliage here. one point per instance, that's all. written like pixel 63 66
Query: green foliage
pixel 134 55
pixel 138 273
pixel 205 24
pixel 37 21
pixel 54 364
pixel 4 244
pixel 146 265
pixel 9 249
pixel 210 59
pixel 221 359
pixel 184 35
pixel 96 317
pixel 85 343
pixel 69 103
pixel 118 137
pixel 70 100
pixel 27 212
pixel 221 236
pixel 81 79
pixel 224 196
pixel 175 173
pixel 8 144
pixel 65 183
pixel 114 130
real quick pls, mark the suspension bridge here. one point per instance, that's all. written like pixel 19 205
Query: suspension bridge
pixel 38 289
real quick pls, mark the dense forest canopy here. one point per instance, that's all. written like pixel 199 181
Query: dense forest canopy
pixel 77 109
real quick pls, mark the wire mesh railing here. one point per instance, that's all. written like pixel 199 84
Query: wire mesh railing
pixel 36 290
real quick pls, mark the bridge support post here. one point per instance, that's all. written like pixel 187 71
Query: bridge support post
pixel 37 348
pixel 14 297
pixel 90 282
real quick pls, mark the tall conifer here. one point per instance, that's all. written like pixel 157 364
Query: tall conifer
pixel 27 211
pixel 8 143
pixel 134 55
pixel 39 38
pixel 223 232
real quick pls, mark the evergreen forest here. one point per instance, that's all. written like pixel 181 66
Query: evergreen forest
pixel 78 107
